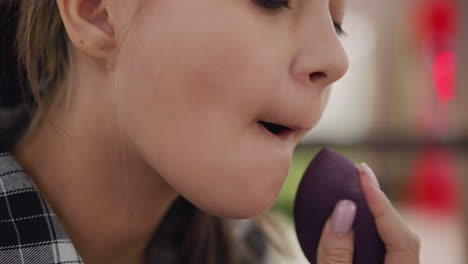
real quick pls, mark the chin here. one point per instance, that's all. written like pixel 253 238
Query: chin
pixel 248 202
pixel 253 199
pixel 241 210
pixel 254 209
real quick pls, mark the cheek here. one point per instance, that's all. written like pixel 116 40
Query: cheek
pixel 187 100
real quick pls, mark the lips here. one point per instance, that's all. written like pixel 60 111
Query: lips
pixel 278 130
pixel 287 123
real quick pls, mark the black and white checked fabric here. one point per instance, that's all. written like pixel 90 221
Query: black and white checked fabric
pixel 30 233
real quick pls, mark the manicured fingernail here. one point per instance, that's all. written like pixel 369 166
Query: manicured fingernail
pixel 343 217
pixel 370 173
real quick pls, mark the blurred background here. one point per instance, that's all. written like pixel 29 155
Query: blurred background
pixel 403 109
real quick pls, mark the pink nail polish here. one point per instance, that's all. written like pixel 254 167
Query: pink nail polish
pixel 370 173
pixel 343 215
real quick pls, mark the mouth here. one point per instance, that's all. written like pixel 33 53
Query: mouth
pixel 280 131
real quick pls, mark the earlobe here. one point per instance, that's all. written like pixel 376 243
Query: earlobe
pixel 88 26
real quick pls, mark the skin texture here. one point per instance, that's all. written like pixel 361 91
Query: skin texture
pixel 165 100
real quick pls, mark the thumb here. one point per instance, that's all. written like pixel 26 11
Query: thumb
pixel 337 242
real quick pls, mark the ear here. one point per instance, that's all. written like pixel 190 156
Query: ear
pixel 88 26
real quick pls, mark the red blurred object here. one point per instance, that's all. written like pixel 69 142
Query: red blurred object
pixel 443 73
pixel 433 184
pixel 433 181
pixel 436 31
pixel 437 27
pixel 437 22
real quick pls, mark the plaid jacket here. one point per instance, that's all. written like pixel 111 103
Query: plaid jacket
pixel 30 233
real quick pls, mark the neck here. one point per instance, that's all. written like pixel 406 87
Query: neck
pixel 106 197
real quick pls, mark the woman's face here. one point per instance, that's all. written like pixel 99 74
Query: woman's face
pixel 196 80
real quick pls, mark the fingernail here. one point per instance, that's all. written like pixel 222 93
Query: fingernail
pixel 343 217
pixel 370 173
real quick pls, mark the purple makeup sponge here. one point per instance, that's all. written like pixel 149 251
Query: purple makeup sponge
pixel 331 177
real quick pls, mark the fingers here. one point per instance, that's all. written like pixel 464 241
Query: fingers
pixel 336 243
pixel 398 238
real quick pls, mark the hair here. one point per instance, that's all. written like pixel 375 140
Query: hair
pixel 37 45
pixel 42 44
pixel 13 116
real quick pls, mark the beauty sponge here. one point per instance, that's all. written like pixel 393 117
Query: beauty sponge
pixel 331 177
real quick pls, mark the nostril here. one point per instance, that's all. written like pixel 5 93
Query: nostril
pixel 315 76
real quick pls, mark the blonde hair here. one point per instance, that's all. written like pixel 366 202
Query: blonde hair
pixel 42 44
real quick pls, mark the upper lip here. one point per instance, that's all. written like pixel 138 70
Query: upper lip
pixel 297 118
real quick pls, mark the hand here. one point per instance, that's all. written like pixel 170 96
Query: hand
pixel 336 243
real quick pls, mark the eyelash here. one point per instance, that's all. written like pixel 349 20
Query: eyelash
pixel 339 29
pixel 277 5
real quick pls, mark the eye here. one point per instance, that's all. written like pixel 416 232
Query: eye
pixel 339 29
pixel 274 5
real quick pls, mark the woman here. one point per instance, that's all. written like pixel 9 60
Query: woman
pixel 140 102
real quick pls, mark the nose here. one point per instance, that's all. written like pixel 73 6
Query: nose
pixel 320 58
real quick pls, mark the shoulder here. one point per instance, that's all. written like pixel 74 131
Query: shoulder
pixel 13 179
pixel 30 231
